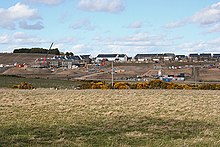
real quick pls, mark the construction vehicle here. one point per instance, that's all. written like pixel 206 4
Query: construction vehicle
pixel 45 62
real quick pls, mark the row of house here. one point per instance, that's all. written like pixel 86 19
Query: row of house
pixel 204 57
pixel 64 61
pixel 154 57
pixel 173 57
pixel 68 61
pixel 159 57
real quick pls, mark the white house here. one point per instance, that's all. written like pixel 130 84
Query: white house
pixel 112 57
pixel 122 58
pixel 169 56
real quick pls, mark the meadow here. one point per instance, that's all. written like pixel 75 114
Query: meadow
pixel 8 81
pixel 48 117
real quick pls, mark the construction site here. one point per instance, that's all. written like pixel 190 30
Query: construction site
pixel 56 67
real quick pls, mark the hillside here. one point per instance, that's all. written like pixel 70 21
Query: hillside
pixel 10 58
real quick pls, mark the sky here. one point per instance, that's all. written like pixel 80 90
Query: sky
pixel 111 26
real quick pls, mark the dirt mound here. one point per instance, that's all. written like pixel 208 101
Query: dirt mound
pixel 26 71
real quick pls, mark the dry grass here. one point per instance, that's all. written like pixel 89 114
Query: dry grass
pixel 109 117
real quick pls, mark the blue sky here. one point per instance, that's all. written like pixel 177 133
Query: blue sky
pixel 111 26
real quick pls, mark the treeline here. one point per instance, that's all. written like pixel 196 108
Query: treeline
pixel 37 50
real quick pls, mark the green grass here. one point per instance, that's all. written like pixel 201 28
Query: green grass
pixel 124 131
pixel 109 118
pixel 10 81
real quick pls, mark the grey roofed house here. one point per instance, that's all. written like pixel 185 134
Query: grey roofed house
pixel 107 55
pixel 121 55
pixel 76 58
pixel 148 57
pixel 86 58
pixel 181 56
pixel 169 55
pixel 58 58
pixel 129 58
pixel 112 57
pixel 194 55
pixel 160 55
pixel 205 56
pixel 142 56
pixel 216 56
pixel 122 58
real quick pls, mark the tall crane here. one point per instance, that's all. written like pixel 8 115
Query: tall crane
pixel 45 58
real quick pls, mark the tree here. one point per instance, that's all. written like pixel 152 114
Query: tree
pixel 71 54
pixel 37 50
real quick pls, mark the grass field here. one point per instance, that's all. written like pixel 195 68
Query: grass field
pixel 10 81
pixel 44 117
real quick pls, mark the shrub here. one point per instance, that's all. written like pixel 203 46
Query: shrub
pixel 99 85
pixel 133 85
pixel 157 84
pixel 86 86
pixel 209 87
pixel 24 85
pixel 144 85
pixel 121 85
pixel 153 84
pixel 185 86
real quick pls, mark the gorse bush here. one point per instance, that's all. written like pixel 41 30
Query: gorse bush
pixel 153 84
pixel 99 85
pixel 144 85
pixel 24 85
pixel 209 87
pixel 157 84
pixel 121 85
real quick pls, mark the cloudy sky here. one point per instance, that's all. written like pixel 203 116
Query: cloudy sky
pixel 111 26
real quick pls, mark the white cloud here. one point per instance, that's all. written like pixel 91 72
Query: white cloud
pixel 214 29
pixel 20 38
pixel 83 24
pixel 175 24
pixel 20 35
pixel 9 17
pixel 9 42
pixel 23 38
pixel 47 2
pixel 4 38
pixel 101 5
pixel 58 45
pixel 136 25
pixel 82 49
pixel 133 44
pixel 211 46
pixel 37 26
pixel 209 15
